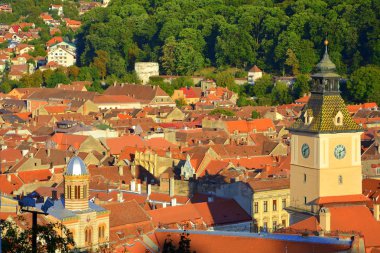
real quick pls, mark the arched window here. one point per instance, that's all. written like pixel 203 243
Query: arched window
pixel 102 232
pixel 88 236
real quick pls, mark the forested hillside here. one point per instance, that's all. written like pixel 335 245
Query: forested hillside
pixel 187 35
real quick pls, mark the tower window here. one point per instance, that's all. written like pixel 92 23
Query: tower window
pixel 304 178
pixel 305 200
pixel 340 179
pixel 338 119
pixel 77 192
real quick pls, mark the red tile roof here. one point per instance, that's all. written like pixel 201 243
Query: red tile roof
pixel 116 145
pixel 32 176
pixel 255 69
pixel 341 199
pixel 302 100
pixel 356 218
pixel 209 241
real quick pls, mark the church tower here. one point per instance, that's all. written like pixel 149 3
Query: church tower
pixel 76 185
pixel 325 144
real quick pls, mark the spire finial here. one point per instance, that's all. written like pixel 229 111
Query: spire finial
pixel 326 42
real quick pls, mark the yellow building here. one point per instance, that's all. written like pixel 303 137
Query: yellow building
pixel 325 145
pixel 88 222
pixel 270 198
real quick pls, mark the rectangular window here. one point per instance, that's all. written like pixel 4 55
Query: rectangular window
pixel 377 171
pixel 283 203
pixel 305 200
pixel 274 205
pixel 304 178
pixel 265 206
pixel 256 207
pixel 284 223
pixel 274 224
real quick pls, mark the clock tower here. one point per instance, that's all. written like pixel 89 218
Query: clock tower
pixel 325 144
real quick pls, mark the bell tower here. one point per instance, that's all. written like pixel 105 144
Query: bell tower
pixel 325 144
pixel 76 180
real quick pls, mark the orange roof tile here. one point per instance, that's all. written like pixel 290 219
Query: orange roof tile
pixel 340 199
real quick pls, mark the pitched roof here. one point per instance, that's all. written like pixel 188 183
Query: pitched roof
pixel 255 69
pixel 340 199
pixel 224 241
pixel 117 99
pixel 128 212
pixel 141 92
pixel 356 218
pixel 323 108
pixel 269 184
pixel 116 145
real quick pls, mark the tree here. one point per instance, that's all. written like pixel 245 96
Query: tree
pixel 263 86
pixel 292 61
pixel 220 111
pixel 225 79
pixel 364 85
pixel 55 78
pixel 255 115
pixel 168 56
pixel 180 102
pixel 301 86
pixel 33 80
pixel 183 244
pixel 100 62
pixel 281 94
pixel 51 238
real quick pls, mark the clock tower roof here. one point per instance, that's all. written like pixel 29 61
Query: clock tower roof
pixel 325 111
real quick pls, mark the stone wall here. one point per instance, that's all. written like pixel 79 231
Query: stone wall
pixel 144 70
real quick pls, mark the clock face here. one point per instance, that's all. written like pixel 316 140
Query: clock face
pixel 305 150
pixel 340 152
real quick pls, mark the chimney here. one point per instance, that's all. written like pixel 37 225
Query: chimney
pixel 67 159
pixel 54 195
pixel 148 189
pixel 48 151
pixel 173 202
pixel 325 219
pixel 164 204
pixel 139 187
pixel 9 178
pixel 133 185
pixel 171 187
pixel 210 199
pixel 121 171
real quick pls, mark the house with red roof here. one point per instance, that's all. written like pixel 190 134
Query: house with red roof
pixel 14 29
pixel 72 24
pixel 54 41
pixel 116 102
pixel 254 73
pixel 73 142
pixel 6 8
pixel 190 95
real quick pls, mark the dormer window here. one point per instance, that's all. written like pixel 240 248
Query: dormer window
pixel 308 116
pixel 338 119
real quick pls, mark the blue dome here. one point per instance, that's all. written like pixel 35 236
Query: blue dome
pixel 76 167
